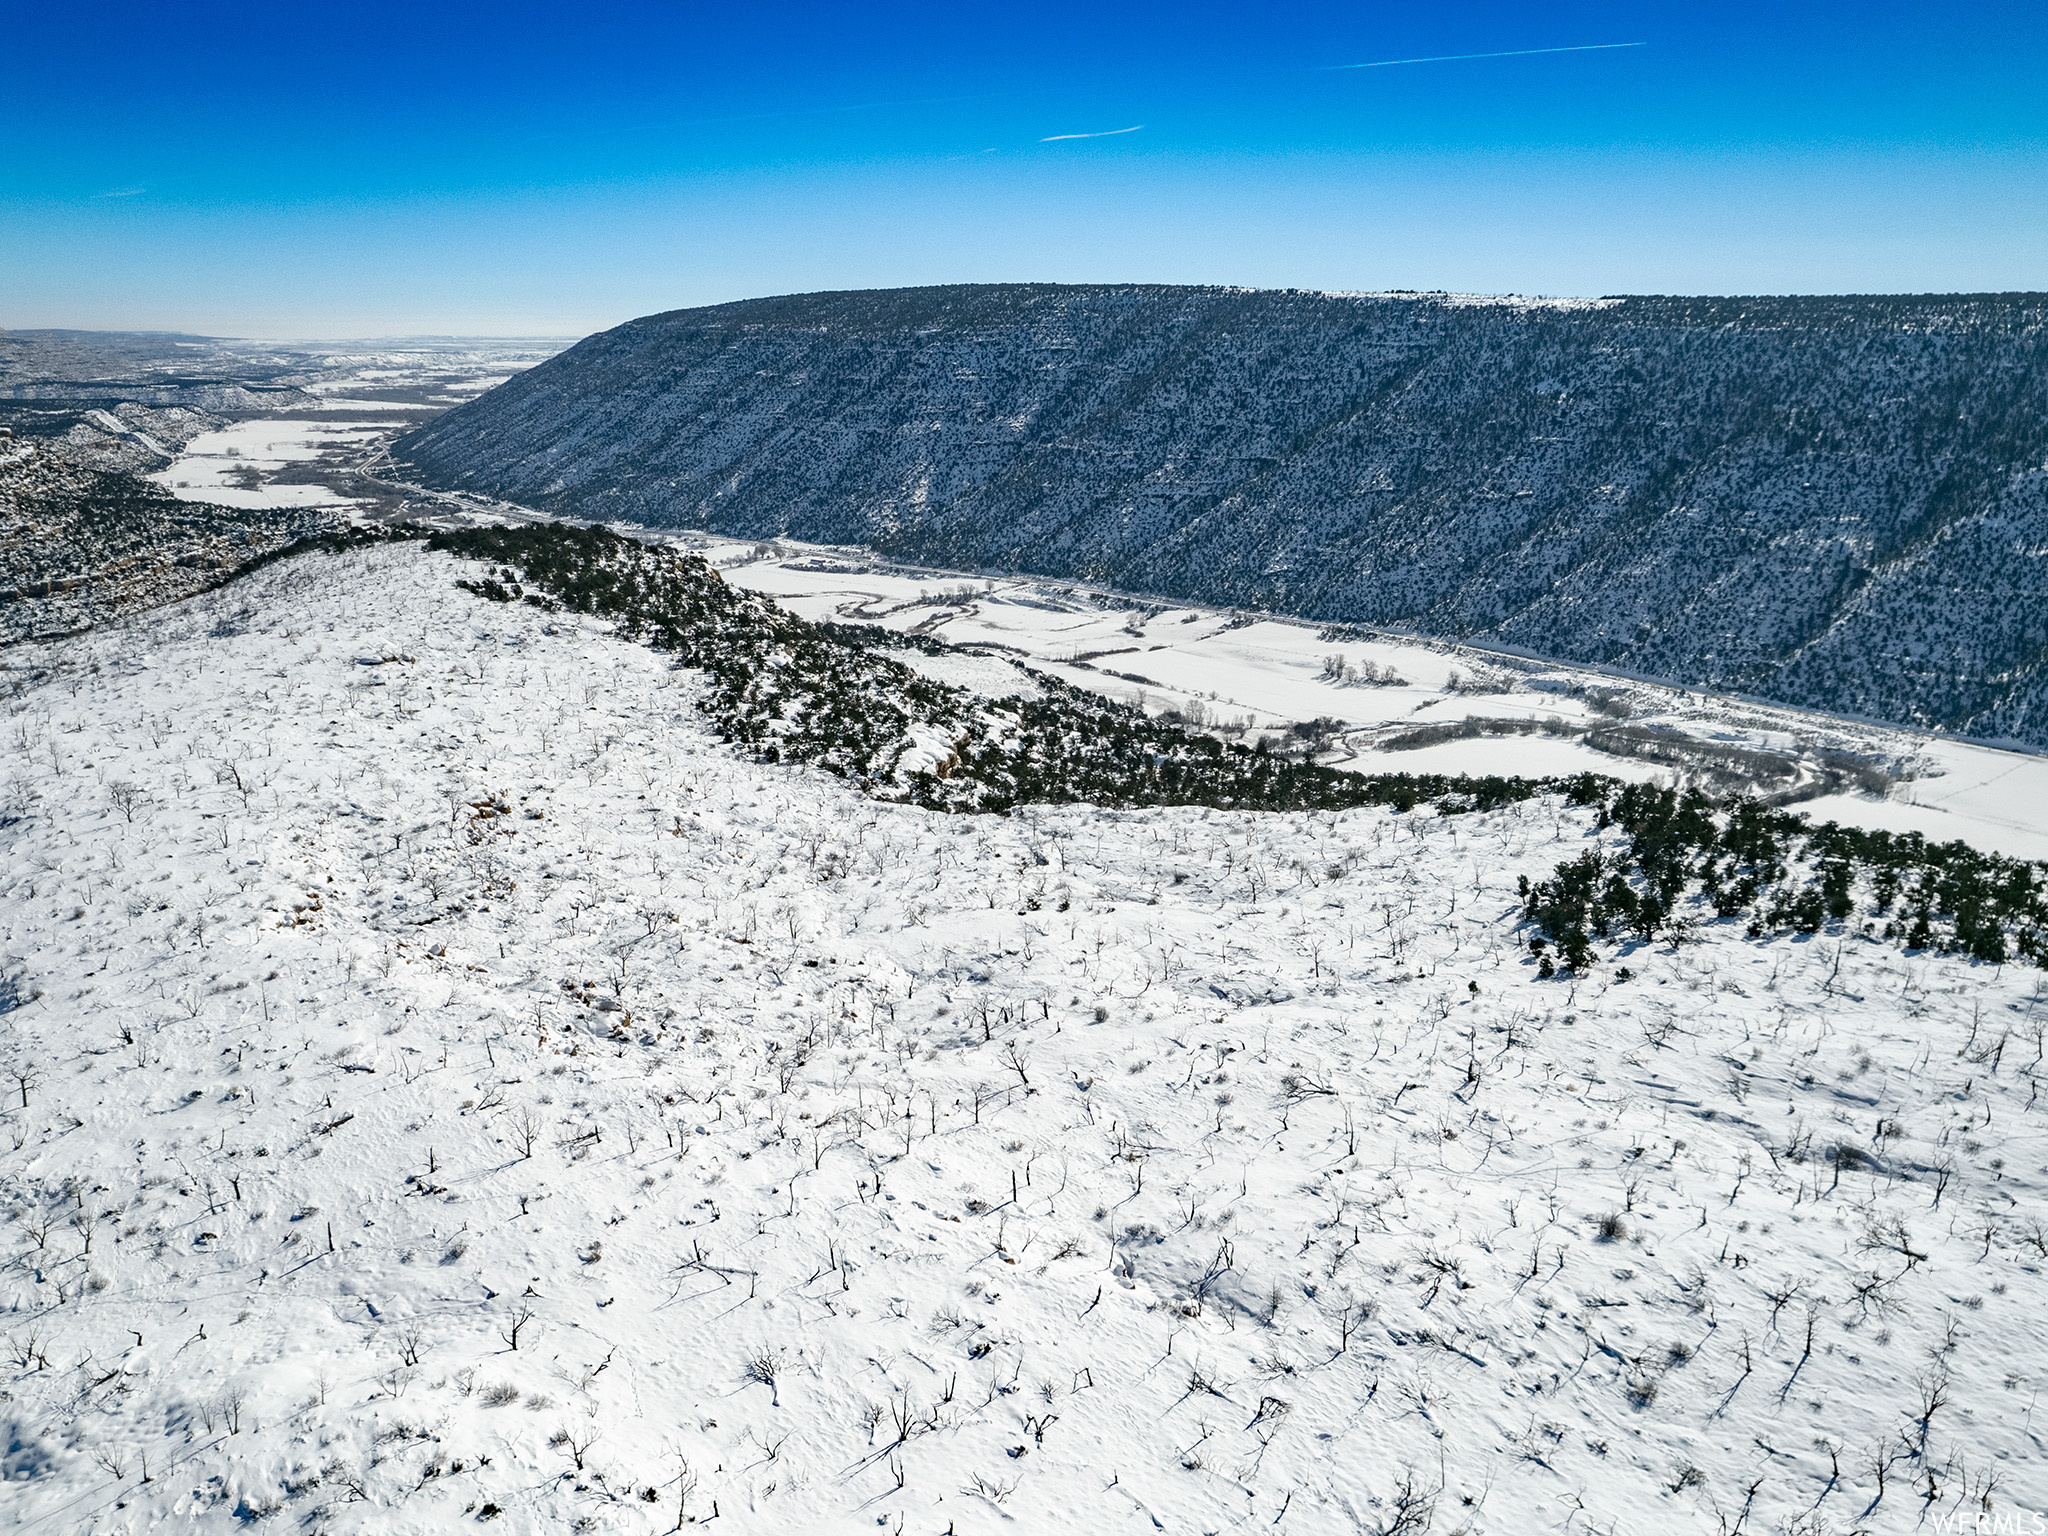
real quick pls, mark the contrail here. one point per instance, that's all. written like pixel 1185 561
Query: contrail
pixel 1107 133
pixel 1511 53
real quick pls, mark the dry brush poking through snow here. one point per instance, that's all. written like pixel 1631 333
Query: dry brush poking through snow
pixel 445 1084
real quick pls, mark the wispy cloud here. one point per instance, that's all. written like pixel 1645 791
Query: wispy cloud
pixel 1509 53
pixel 123 192
pixel 1107 133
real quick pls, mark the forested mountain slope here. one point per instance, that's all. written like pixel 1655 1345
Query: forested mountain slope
pixel 1836 502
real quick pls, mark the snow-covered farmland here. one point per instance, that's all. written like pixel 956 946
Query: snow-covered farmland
pixel 1266 673
pixel 446 1085
pixel 249 463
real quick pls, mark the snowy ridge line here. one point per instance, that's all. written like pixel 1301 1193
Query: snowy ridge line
pixel 797 690
pixel 793 690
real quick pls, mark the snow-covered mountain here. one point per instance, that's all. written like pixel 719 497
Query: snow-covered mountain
pixel 1833 502
pixel 468 1060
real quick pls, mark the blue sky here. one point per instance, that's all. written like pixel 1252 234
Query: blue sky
pixel 383 169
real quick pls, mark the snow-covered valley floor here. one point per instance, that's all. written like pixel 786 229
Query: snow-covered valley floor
pixel 1266 671
pixel 445 1085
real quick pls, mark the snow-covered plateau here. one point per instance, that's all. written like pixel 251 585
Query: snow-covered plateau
pixel 447 1084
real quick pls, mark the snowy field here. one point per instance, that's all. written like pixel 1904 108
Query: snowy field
pixel 306 458
pixel 445 1085
pixel 402 374
pixel 1269 673
pixel 344 403
pixel 237 466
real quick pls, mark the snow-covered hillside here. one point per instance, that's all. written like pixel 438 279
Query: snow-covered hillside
pixel 447 1084
pixel 81 543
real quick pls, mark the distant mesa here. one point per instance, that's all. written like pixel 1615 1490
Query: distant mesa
pixel 1836 502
